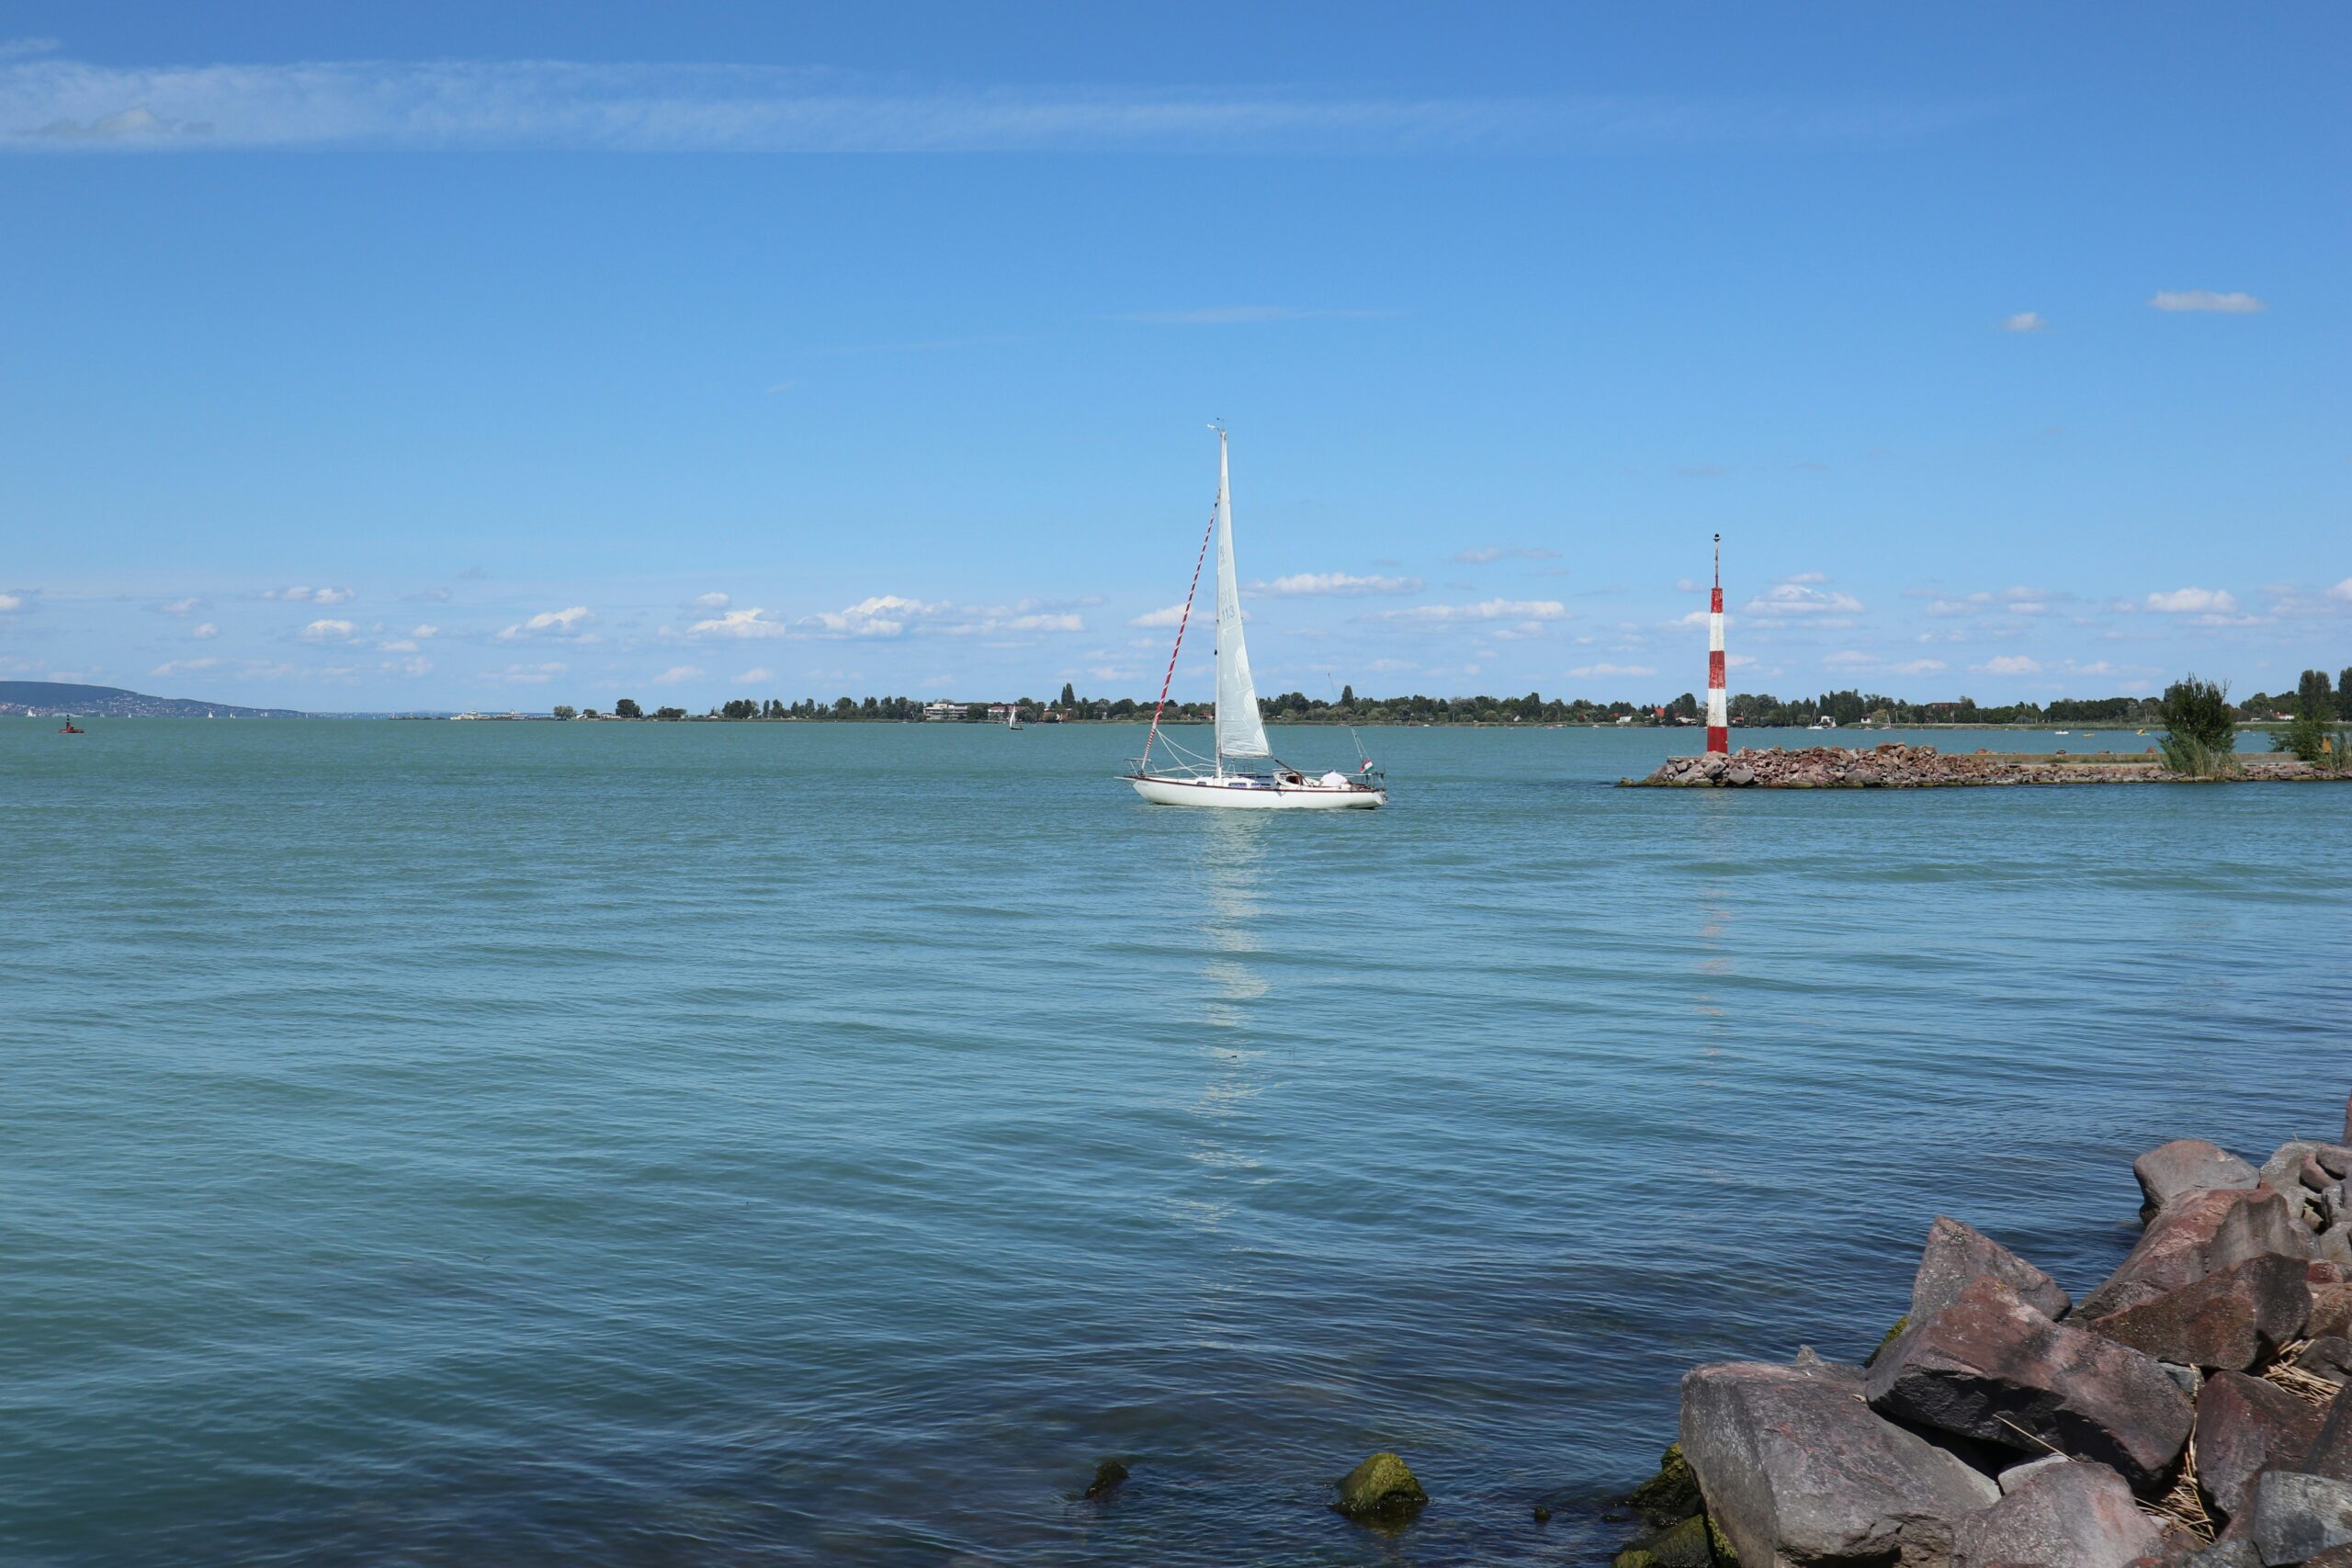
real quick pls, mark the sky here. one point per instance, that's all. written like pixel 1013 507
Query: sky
pixel 437 356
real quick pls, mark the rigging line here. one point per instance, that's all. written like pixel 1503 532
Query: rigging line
pixel 1353 738
pixel 1182 621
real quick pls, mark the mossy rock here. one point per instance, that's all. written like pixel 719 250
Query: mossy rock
pixel 1108 1474
pixel 1891 1336
pixel 1672 1494
pixel 1381 1489
pixel 1683 1546
pixel 1726 1556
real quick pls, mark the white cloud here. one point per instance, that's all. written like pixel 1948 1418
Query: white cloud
pixel 675 673
pixel 1919 667
pixel 1798 597
pixel 403 645
pixel 422 632
pixel 2008 664
pixel 1503 552
pixel 2024 321
pixel 323 597
pixel 1048 622
pixel 1168 616
pixel 1585 670
pixel 188 607
pixel 751 623
pixel 758 672
pixel 708 602
pixel 2342 590
pixel 11 603
pixel 2230 304
pixel 205 632
pixel 1848 658
pixel 417 666
pixel 184 666
pixel 1804 577
pixel 2193 602
pixel 550 622
pixel 1484 610
pixel 883 614
pixel 327 631
pixel 1307 583
pixel 526 674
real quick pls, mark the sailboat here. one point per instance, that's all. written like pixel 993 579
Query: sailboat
pixel 1242 769
pixel 1012 715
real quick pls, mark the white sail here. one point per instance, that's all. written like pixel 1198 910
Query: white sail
pixel 1239 731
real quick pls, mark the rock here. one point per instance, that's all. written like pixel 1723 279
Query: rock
pixel 2238 1553
pixel 2331 1311
pixel 2298 1516
pixel 1108 1474
pixel 1957 1255
pixel 1990 1367
pixel 2244 1425
pixel 1381 1489
pixel 2018 1475
pixel 1890 1336
pixel 2192 1237
pixel 2070 1514
pixel 1796 1468
pixel 1672 1494
pixel 1543 1515
pixel 2185 1166
pixel 2329 1356
pixel 1683 1546
pixel 2233 1318
pixel 1739 774
pixel 2295 1174
pixel 2188 1379
pixel 2348 1118
pixel 2331 1451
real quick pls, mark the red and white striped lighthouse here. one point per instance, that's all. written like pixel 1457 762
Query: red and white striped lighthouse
pixel 1718 721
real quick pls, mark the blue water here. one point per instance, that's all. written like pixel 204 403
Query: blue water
pixel 780 1144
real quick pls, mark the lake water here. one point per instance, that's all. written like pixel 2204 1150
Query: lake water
pixel 779 1143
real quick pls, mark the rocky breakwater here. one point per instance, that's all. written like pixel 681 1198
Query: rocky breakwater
pixel 1894 765
pixel 2189 1412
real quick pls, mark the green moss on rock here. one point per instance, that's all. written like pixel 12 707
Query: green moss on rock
pixel 1381 1489
pixel 1672 1494
pixel 1725 1556
pixel 1891 1336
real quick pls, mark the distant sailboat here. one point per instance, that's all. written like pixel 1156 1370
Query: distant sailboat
pixel 1243 770
pixel 1012 715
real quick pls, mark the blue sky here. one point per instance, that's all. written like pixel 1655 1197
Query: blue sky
pixel 439 355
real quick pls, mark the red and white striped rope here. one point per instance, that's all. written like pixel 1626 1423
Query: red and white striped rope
pixel 1182 621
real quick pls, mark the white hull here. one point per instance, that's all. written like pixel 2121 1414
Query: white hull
pixel 1251 795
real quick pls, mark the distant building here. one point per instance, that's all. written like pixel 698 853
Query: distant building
pixel 942 712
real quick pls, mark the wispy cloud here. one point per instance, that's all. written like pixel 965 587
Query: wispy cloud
pixel 677 674
pixel 67 104
pixel 2008 664
pixel 568 623
pixel 184 666
pixel 2230 304
pixel 1585 672
pixel 709 602
pixel 1800 599
pixel 1167 615
pixel 327 631
pixel 1307 584
pixel 205 632
pixel 2342 590
pixel 2193 602
pixel 526 674
pixel 1245 315
pixel 1503 552
pixel 19 48
pixel 320 596
pixel 2024 321
pixel 186 606
pixel 11 603
pixel 1484 610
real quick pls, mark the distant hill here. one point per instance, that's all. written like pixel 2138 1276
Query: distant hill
pixel 49 699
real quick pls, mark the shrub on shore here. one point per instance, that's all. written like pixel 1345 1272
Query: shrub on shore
pixel 2200 735
pixel 2312 734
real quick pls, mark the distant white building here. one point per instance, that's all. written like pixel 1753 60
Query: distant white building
pixel 942 712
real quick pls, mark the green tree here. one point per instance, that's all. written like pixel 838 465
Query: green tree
pixel 1069 695
pixel 670 713
pixel 565 710
pixel 2201 733
pixel 627 708
pixel 1348 698
pixel 2312 734
pixel 2343 693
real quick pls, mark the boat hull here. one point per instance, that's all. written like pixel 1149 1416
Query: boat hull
pixel 1235 795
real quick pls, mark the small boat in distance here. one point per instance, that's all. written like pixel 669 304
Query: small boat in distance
pixel 71 728
pixel 1012 715
pixel 1242 769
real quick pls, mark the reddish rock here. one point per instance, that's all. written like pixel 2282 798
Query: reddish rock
pixel 2297 1517
pixel 2233 1318
pixel 1991 1367
pixel 2331 1451
pixel 2331 1311
pixel 2192 1237
pixel 2185 1166
pixel 2069 1516
pixel 2244 1426
pixel 1958 1255
pixel 1795 1468
pixel 2329 1356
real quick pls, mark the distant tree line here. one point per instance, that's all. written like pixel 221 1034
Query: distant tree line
pixel 2316 699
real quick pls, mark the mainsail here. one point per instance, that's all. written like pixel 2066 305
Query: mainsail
pixel 1239 731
